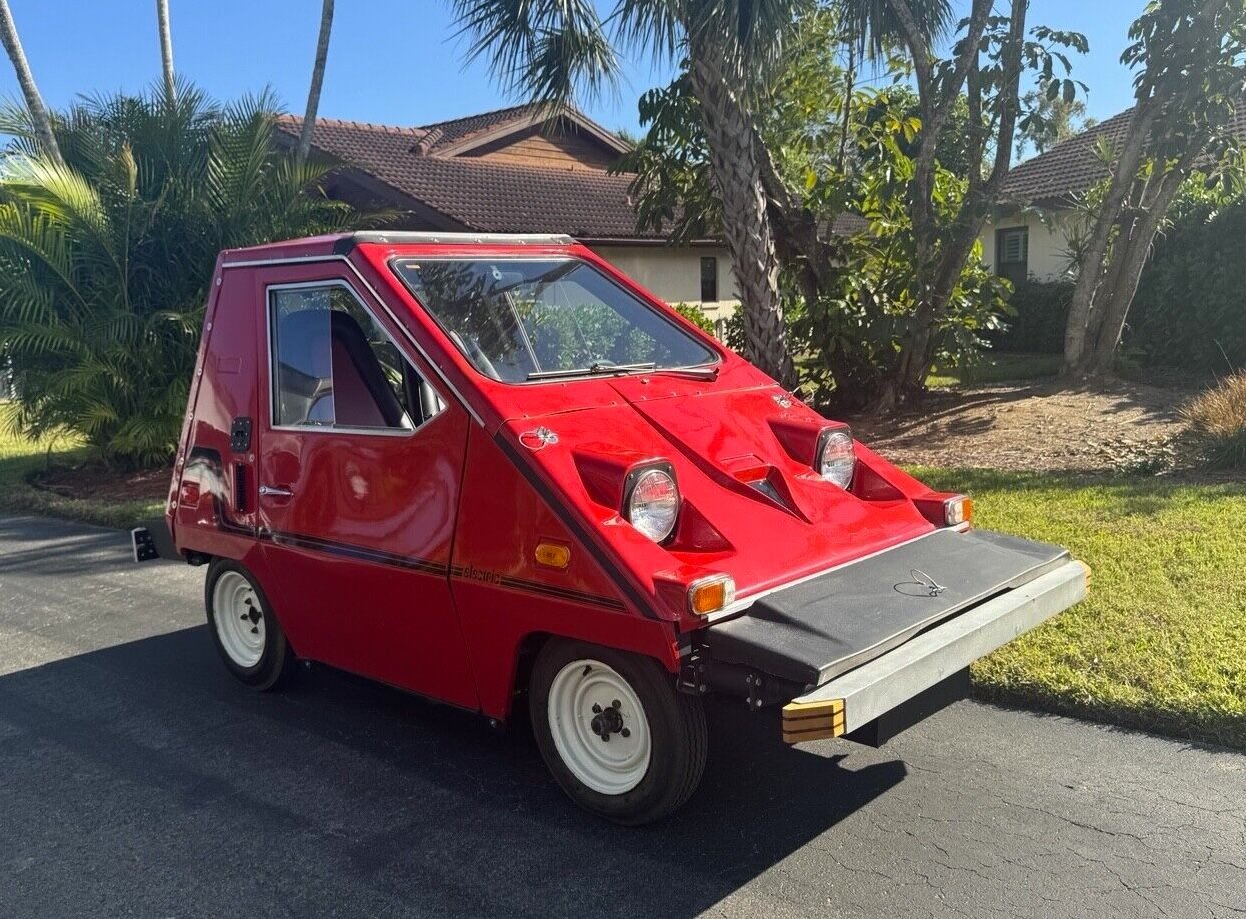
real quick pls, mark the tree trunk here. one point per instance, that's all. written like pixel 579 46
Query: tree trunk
pixel 1131 259
pixel 918 354
pixel 736 166
pixel 845 115
pixel 1090 270
pixel 34 102
pixel 317 80
pixel 166 51
pixel 941 252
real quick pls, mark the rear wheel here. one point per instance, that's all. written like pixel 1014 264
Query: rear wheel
pixel 614 732
pixel 244 630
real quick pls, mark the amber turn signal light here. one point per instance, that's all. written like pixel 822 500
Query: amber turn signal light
pixel 553 555
pixel 709 595
pixel 958 510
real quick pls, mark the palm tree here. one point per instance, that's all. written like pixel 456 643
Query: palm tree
pixel 317 79
pixel 166 50
pixel 25 79
pixel 105 258
pixel 548 50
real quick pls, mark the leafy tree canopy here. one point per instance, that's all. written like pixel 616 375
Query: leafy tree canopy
pixel 839 145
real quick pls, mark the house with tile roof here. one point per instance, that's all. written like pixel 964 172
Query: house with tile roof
pixel 518 170
pixel 1029 235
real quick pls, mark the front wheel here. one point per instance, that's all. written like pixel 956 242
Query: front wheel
pixel 244 629
pixel 616 735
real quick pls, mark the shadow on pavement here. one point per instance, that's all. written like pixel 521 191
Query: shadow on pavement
pixel 141 778
pixel 56 548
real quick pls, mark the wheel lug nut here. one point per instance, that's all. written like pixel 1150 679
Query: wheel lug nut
pixel 615 704
pixel 596 709
pixel 625 732
pixel 605 736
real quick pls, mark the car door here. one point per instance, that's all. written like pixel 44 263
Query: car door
pixel 359 474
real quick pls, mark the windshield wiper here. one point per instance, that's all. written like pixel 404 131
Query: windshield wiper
pixel 697 373
pixel 593 368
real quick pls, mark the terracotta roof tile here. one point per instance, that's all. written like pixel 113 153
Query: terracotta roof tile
pixel 1071 166
pixel 295 124
pixel 484 196
pixel 848 224
pixel 491 197
pixel 456 129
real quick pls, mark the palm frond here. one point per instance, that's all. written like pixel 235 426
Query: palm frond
pixel 876 27
pixel 104 261
pixel 543 50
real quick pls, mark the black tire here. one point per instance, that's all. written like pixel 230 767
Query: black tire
pixel 276 662
pixel 677 732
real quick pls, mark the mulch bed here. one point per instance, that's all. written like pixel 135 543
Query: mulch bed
pixel 1042 426
pixel 97 482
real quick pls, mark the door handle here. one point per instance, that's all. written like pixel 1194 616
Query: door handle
pixel 272 491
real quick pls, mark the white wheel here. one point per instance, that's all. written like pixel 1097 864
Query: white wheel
pixel 599 727
pixel 239 619
pixel 613 730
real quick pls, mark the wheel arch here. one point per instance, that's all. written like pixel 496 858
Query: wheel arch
pixel 530 643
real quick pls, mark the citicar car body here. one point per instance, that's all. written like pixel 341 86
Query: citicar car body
pixel 487 468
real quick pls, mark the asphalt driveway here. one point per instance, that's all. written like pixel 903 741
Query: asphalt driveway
pixel 137 779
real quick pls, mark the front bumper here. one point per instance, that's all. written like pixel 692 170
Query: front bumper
pixel 851 702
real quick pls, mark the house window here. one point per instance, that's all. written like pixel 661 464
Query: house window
pixel 1012 253
pixel 709 279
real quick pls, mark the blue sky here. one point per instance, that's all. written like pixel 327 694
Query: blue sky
pixel 391 61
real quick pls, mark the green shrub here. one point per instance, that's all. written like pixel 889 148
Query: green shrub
pixel 1037 313
pixel 695 315
pixel 105 260
pixel 1190 310
pixel 1217 420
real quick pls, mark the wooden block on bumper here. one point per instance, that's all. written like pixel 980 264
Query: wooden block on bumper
pixel 804 721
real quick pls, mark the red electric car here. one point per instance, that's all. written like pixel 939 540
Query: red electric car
pixel 489 469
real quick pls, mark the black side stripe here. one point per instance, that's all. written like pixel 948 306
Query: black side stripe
pixel 359 553
pixel 586 539
pixel 468 573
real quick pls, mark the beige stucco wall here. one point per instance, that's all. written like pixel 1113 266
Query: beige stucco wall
pixel 1047 257
pixel 673 273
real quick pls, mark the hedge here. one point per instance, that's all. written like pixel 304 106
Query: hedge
pixel 1036 324
pixel 1190 310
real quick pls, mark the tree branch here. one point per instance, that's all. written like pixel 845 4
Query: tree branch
pixel 1008 102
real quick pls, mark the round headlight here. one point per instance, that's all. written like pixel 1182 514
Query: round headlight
pixel 653 504
pixel 836 458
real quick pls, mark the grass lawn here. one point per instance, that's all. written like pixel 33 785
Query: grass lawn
pixel 997 367
pixel 1161 642
pixel 19 458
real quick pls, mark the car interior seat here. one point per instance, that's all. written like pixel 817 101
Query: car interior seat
pixel 362 397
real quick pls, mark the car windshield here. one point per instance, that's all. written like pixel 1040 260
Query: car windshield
pixel 536 319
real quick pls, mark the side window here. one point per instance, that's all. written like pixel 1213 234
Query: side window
pixel 333 365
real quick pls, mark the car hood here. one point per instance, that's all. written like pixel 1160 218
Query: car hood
pixel 722 444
